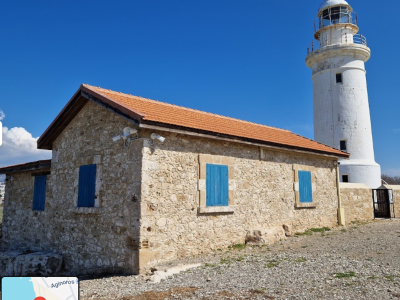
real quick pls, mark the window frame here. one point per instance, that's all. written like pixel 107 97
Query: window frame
pixel 296 186
pixel 341 78
pixel 345 145
pixel 205 159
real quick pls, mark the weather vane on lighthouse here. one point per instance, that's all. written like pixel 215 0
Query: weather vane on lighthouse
pixel 341 110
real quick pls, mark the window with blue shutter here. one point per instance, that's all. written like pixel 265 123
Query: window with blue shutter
pixel 217 187
pixel 39 192
pixel 87 184
pixel 305 187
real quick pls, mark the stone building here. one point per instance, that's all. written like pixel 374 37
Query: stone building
pixel 134 182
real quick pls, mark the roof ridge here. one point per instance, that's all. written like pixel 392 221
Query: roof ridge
pixel 182 107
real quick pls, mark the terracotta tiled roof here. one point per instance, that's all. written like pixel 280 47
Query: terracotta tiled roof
pixel 160 112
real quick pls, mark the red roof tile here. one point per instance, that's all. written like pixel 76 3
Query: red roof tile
pixel 160 112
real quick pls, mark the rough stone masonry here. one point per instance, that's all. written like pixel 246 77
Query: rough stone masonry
pixel 150 199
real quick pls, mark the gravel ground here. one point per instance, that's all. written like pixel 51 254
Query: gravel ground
pixel 359 261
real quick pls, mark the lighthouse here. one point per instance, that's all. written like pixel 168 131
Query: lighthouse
pixel 342 119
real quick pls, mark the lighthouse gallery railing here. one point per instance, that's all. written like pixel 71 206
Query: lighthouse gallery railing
pixel 333 40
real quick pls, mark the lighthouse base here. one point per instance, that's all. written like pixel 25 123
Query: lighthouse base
pixel 361 171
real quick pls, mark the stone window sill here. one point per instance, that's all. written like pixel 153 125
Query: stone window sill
pixel 216 209
pixel 306 205
pixel 85 210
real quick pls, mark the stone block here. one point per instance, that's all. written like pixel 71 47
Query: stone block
pixel 203 171
pixel 231 173
pixel 37 264
pixel 229 161
pixel 356 202
pixel 216 209
pixel 231 198
pixel 7 262
pixel 161 222
pixel 202 185
pixel 205 159
pixel 232 185
pixel 146 257
pixel 288 230
pixel 254 237
pixel 273 234
pixel 31 264
pixel 118 229
pixel 203 198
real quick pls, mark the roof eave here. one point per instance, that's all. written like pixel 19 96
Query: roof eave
pixel 30 166
pixel 182 129
pixel 45 141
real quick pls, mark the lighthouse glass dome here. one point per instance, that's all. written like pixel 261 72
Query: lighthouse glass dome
pixel 332 12
pixel 335 15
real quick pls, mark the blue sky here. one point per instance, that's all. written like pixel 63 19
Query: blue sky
pixel 244 59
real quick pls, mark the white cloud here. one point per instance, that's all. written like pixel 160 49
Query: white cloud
pixel 19 146
pixel 2 115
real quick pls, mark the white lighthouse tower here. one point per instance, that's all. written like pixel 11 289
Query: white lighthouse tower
pixel 341 110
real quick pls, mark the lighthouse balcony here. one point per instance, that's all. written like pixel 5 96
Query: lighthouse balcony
pixel 339 38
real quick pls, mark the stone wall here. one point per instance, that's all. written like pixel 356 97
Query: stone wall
pixel 150 200
pixel 91 240
pixel 356 201
pixel 396 198
pixel 262 196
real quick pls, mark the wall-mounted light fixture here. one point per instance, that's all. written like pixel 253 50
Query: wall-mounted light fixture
pixel 127 132
pixel 160 138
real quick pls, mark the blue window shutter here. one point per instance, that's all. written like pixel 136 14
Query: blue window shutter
pixel 305 187
pixel 217 185
pixel 39 192
pixel 87 184
pixel 224 185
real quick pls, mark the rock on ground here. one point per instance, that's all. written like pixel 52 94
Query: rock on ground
pixel 16 263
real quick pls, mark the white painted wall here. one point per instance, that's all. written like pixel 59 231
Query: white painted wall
pixel 341 110
pixel 337 34
pixel 359 171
